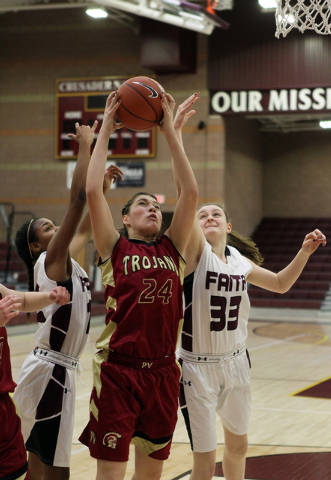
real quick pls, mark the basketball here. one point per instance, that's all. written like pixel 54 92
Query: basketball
pixel 141 106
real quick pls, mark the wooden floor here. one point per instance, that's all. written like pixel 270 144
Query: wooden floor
pixel 286 358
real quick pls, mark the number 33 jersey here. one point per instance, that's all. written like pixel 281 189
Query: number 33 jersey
pixel 216 303
pixel 143 294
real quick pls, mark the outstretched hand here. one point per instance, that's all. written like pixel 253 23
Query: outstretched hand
pixel 108 122
pixel 9 308
pixel 312 241
pixel 84 133
pixel 168 106
pixel 59 295
pixel 184 113
pixel 112 173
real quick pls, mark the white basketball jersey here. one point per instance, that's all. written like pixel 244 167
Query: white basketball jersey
pixel 64 328
pixel 216 303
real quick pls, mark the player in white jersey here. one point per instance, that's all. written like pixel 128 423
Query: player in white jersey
pixel 46 385
pixel 215 362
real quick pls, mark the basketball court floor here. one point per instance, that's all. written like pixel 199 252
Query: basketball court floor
pixel 290 425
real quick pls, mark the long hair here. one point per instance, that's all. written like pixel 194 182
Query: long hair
pixel 126 209
pixel 25 235
pixel 243 244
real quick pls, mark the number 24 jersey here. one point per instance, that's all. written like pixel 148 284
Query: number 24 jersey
pixel 143 294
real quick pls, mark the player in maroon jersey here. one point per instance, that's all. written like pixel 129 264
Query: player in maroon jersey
pixel 13 462
pixel 136 377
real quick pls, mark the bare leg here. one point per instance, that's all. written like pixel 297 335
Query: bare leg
pixel 35 467
pixel 56 473
pixel 146 468
pixel 203 465
pixel 110 470
pixel 234 458
pixel 40 471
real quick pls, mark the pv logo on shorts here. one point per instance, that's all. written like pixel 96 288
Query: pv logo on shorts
pixel 110 439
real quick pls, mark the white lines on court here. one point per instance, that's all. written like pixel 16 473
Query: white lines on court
pixel 277 342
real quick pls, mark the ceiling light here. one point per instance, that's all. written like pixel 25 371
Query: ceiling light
pixel 325 124
pixel 268 3
pixel 97 13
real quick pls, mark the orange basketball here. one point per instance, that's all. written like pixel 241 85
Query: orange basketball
pixel 141 107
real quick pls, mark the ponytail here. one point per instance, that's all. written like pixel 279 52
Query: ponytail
pixel 245 246
pixel 22 247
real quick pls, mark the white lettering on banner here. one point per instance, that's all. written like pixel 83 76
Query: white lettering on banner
pixel 89 86
pixel 304 98
pixel 283 100
pixel 278 100
pixel 70 115
pixel 254 101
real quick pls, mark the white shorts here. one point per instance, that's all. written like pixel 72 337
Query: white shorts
pixel 45 396
pixel 222 388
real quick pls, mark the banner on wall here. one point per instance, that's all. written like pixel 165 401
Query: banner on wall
pixel 134 174
pixel 293 100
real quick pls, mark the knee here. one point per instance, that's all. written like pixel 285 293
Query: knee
pixel 238 449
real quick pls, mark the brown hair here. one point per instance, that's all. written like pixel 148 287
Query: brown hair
pixel 243 244
pixel 126 209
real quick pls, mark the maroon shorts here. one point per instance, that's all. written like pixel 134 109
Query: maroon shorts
pixel 13 463
pixel 133 401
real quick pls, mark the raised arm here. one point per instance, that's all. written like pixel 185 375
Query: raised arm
pixel 104 232
pixel 14 302
pixel 196 242
pixel 58 264
pixel 183 218
pixel 281 282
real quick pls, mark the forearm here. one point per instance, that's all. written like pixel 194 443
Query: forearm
pixel 289 275
pixel 97 166
pixel 80 172
pixel 178 132
pixel 32 301
pixel 183 174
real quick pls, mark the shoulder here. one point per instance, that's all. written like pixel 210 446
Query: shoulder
pixel 40 263
pixel 243 261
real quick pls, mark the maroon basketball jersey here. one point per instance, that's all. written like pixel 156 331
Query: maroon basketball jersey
pixel 6 381
pixel 143 294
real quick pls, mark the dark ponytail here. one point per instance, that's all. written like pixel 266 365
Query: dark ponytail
pixel 22 243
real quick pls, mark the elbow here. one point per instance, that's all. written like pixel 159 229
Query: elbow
pixel 92 193
pixel 78 195
pixel 193 194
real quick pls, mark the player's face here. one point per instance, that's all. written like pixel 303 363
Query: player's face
pixel 213 222
pixel 145 216
pixel 45 230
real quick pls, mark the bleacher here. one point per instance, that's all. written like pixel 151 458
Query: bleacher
pixel 279 240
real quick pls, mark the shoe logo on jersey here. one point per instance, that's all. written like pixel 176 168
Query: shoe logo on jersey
pixel 202 358
pixel 153 92
pixel 92 437
pixel 146 364
pixel 187 383
pixel 110 439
